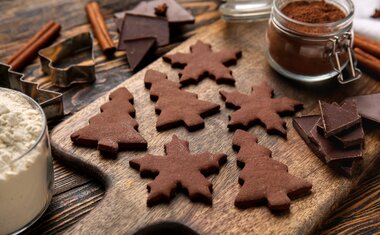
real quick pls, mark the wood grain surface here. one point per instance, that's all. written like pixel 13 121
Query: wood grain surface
pixel 76 194
pixel 123 208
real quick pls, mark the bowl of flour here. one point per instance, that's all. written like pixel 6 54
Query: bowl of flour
pixel 26 168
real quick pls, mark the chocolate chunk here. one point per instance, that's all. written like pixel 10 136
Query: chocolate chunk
pixel 351 137
pixel 368 106
pixel 337 118
pixel 304 125
pixel 138 27
pixel 326 150
pixel 160 10
pixel 175 13
pixel 330 150
pixel 138 49
pixel 347 138
pixel 119 24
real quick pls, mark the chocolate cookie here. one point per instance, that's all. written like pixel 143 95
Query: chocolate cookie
pixel 175 106
pixel 202 62
pixel 262 178
pixel 259 106
pixel 179 168
pixel 113 129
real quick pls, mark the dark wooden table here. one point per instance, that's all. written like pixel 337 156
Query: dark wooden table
pixel 76 194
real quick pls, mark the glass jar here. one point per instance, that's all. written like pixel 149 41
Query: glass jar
pixel 312 52
pixel 26 177
pixel 246 10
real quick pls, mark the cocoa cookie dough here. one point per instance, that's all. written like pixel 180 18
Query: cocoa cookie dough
pixel 113 129
pixel 202 62
pixel 178 169
pixel 262 178
pixel 259 106
pixel 175 106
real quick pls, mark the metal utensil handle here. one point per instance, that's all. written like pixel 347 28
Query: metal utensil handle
pixel 354 72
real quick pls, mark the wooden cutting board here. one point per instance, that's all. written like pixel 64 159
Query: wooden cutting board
pixel 123 209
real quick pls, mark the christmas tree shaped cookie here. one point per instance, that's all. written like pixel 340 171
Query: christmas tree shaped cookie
pixel 262 178
pixel 179 169
pixel 114 128
pixel 175 106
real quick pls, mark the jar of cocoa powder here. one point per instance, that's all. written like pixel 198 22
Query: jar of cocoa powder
pixel 311 40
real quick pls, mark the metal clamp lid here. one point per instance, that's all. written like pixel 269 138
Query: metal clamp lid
pixel 341 44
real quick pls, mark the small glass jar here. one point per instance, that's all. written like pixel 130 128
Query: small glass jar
pixel 311 52
pixel 26 179
pixel 246 10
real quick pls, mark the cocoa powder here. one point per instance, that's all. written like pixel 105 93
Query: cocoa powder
pixel 297 52
pixel 313 12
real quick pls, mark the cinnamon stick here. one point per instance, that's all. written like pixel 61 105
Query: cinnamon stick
pixel 47 33
pixel 100 28
pixel 370 46
pixel 367 61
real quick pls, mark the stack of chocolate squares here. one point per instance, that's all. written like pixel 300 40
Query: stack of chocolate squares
pixel 146 27
pixel 336 136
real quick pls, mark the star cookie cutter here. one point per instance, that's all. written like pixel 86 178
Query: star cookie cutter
pixel 72 70
pixel 50 101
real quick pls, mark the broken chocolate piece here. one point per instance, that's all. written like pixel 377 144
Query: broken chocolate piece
pixel 337 118
pixel 347 166
pixel 303 125
pixel 347 138
pixel 137 50
pixel 175 13
pixel 351 137
pixel 330 150
pixel 160 10
pixel 137 27
pixel 368 106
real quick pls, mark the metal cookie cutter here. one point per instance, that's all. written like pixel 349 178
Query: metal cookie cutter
pixel 50 101
pixel 71 61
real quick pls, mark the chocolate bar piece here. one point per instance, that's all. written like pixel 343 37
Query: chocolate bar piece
pixel 351 137
pixel 137 50
pixel 347 138
pixel 175 13
pixel 330 150
pixel 137 27
pixel 337 118
pixel 325 150
pixel 368 106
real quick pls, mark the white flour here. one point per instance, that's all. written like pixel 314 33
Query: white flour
pixel 24 184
